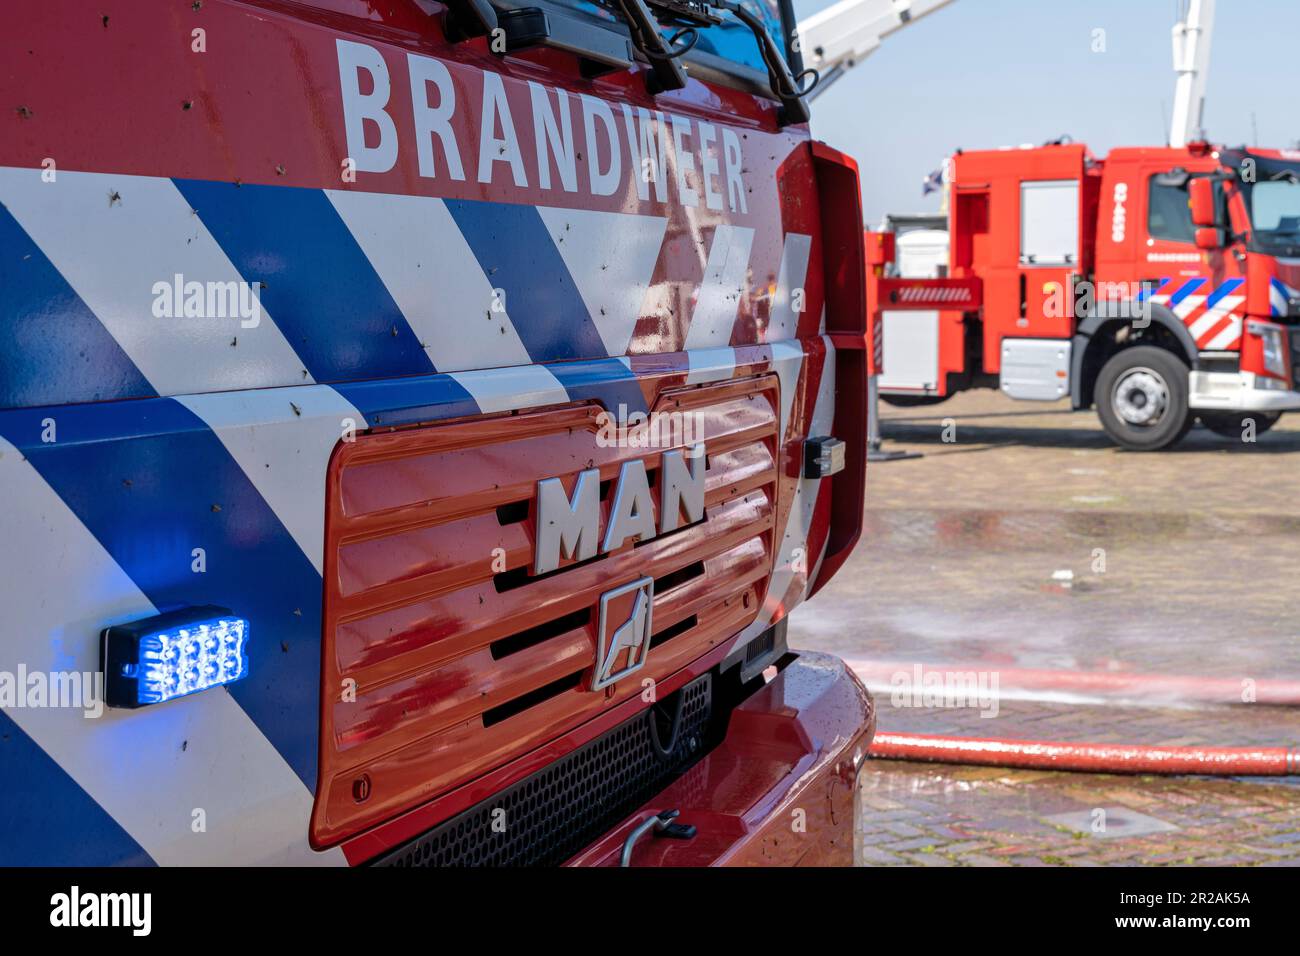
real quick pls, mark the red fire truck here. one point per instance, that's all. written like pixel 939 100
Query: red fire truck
pixel 417 422
pixel 1158 284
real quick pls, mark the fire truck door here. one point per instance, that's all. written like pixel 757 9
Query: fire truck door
pixel 1049 257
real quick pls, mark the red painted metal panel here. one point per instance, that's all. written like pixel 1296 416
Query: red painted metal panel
pixel 444 657
pixel 793 749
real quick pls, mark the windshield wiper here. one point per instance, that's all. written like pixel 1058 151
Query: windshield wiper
pixel 668 73
pixel 784 85
pixel 469 18
pixel 693 14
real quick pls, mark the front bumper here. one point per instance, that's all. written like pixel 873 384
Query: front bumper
pixel 778 790
pixel 1238 392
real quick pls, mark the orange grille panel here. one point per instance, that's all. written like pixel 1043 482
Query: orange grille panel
pixel 444 657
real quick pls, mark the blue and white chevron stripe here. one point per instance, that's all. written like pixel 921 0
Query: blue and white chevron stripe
pixel 1279 297
pixel 352 285
pixel 1210 314
pixel 129 444
pixel 101 526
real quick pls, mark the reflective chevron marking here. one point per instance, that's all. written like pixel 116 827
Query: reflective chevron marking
pixel 112 252
pixel 784 322
pixel 132 763
pixel 351 285
pixel 721 289
pixel 1210 318
pixel 431 273
pixel 1187 306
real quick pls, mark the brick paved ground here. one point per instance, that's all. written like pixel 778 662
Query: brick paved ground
pixel 1031 542
pixel 938 815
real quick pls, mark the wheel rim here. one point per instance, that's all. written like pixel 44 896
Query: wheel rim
pixel 1140 397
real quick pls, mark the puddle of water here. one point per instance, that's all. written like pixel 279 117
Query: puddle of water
pixel 978 528
pixel 1110 822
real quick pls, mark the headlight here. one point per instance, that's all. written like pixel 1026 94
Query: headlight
pixel 172 655
pixel 1273 338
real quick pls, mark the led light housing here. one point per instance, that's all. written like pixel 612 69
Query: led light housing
pixel 174 654
pixel 822 457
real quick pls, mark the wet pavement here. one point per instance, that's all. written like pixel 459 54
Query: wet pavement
pixel 1024 540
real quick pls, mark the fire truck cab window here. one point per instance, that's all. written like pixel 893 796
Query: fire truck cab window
pixel 1168 214
pixel 730 40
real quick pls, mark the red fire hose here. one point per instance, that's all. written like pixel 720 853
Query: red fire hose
pixel 1090 758
pixel 1093 757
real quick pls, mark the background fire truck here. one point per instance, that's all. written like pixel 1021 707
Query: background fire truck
pixel 1158 284
pixel 316 312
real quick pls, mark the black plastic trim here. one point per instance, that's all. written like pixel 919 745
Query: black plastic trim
pixel 548 816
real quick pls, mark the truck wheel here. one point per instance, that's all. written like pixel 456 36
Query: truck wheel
pixel 1233 424
pixel 1141 398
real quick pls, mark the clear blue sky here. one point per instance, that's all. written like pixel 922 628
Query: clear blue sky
pixel 987 73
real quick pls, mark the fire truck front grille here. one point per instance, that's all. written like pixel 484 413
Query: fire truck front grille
pixel 446 656
pixel 545 818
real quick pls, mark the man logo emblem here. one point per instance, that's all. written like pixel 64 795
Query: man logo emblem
pixel 568 526
pixel 623 642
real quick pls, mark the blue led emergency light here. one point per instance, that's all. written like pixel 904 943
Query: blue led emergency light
pixel 174 654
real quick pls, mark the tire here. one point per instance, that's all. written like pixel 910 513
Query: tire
pixel 912 401
pixel 1232 424
pixel 1141 397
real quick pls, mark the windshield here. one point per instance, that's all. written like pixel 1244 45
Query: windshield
pixel 732 40
pixel 1275 211
pixel 1270 188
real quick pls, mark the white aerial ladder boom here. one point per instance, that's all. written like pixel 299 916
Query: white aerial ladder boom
pixel 1191 40
pixel 844 34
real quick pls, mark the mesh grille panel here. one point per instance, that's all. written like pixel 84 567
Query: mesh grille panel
pixel 557 811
